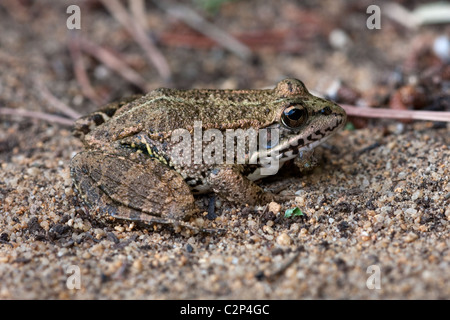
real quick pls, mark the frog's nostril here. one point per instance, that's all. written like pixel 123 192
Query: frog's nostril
pixel 326 111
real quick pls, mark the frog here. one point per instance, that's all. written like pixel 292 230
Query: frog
pixel 128 170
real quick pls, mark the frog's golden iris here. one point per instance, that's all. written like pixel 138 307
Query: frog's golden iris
pixel 294 116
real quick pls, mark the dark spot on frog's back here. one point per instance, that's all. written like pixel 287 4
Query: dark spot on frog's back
pixel 97 119
pixel 310 138
pixel 110 112
pixel 84 129
pixel 290 87
pixel 235 98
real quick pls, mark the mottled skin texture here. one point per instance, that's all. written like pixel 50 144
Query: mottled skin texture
pixel 128 170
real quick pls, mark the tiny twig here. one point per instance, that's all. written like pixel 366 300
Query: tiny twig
pixel 140 36
pixel 36 115
pixel 137 9
pixel 55 102
pixel 114 63
pixel 119 274
pixel 396 114
pixel 80 71
pixel 286 264
pixel 17 10
pixel 421 15
pixel 401 15
pixel 197 22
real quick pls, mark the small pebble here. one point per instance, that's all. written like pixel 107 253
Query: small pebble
pixel 284 239
pixel 274 207
pixel 410 237
pixel 441 48
pixel 137 264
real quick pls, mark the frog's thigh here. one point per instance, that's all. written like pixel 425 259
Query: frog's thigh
pixel 128 190
pixel 230 184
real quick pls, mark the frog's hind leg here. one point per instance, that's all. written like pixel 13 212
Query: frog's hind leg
pixel 142 218
pixel 118 187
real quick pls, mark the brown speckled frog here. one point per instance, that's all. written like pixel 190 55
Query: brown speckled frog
pixel 130 171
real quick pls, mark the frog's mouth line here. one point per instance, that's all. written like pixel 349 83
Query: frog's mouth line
pixel 290 148
pixel 293 150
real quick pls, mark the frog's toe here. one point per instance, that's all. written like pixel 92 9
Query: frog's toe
pixel 284 198
pixel 149 220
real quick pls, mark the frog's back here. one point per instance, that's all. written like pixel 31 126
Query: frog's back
pixel 168 109
pixel 164 110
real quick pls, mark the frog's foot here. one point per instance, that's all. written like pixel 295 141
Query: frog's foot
pixel 123 189
pixel 283 185
pixel 231 185
pixel 145 219
pixel 306 161
pixel 284 198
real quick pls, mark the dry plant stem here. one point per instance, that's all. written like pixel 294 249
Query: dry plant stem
pixel 56 103
pixel 80 71
pixel 197 22
pixel 36 115
pixel 421 15
pixel 114 63
pixel 137 9
pixel 138 33
pixel 401 15
pixel 286 264
pixel 16 10
pixel 396 114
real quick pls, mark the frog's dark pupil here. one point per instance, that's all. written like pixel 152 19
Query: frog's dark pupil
pixel 295 114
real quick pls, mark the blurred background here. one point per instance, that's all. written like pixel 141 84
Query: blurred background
pixel 126 47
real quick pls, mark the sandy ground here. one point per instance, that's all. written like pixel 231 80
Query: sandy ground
pixel 377 209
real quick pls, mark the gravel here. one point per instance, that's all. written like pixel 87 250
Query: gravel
pixel 398 220
pixel 378 202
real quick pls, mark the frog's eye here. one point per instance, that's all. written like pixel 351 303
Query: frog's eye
pixel 294 116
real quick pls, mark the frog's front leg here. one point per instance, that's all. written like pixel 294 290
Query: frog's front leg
pixel 229 183
pixel 125 189
pixel 305 161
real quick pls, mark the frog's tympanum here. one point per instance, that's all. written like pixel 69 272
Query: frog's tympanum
pixel 129 169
